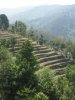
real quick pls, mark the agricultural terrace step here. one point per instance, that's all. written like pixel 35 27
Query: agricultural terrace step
pixel 7 33
pixel 4 34
pixel 58 65
pixel 59 71
pixel 40 48
pixel 15 48
pixel 49 58
pixel 33 42
pixel 47 63
pixel 22 39
pixel 37 46
pixel 47 54
pixel 9 36
pixel 18 44
pixel 60 75
pixel 42 51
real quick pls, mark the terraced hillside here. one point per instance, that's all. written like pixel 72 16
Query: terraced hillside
pixel 46 57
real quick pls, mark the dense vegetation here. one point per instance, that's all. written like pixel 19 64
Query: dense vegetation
pixel 21 80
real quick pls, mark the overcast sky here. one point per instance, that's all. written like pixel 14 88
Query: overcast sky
pixel 20 3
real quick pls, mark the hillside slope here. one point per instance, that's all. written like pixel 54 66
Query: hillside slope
pixel 46 57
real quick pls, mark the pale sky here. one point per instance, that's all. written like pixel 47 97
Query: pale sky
pixel 20 3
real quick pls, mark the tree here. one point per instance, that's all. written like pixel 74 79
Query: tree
pixel 18 78
pixel 65 86
pixel 20 27
pixel 41 40
pixel 7 75
pixel 70 73
pixel 4 22
pixel 13 41
pixel 26 63
pixel 61 85
pixel 4 43
pixel 45 78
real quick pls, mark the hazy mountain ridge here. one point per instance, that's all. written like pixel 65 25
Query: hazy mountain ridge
pixel 56 19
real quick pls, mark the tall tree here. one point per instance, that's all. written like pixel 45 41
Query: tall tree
pixel 20 27
pixel 4 22
pixel 26 63
pixel 45 82
pixel 7 75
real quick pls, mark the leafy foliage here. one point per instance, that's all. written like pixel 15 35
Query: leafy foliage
pixel 7 74
pixel 17 77
pixel 40 96
pixel 20 27
pixel 45 82
pixel 27 63
pixel 70 73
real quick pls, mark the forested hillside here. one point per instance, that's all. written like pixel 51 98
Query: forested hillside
pixel 32 68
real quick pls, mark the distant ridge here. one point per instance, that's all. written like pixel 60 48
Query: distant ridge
pixel 56 19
